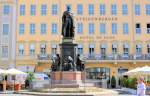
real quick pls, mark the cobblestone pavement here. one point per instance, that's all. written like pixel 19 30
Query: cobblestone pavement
pixel 15 95
pixel 35 95
pixel 120 92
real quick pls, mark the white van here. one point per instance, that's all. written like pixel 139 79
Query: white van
pixel 41 81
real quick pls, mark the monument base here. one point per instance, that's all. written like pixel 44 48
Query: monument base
pixel 67 79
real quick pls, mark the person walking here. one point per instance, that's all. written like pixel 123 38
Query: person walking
pixel 141 88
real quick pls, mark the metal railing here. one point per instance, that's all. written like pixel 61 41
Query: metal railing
pixel 43 57
pixel 116 57
pixel 93 57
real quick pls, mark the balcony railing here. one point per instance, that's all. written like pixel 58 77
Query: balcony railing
pixel 43 57
pixel 87 57
pixel 25 57
pixel 116 57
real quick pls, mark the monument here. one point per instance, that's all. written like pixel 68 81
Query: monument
pixel 67 68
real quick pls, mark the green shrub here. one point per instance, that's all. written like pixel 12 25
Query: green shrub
pixel 129 82
pixel 113 82
pixel 132 83
pixel 148 81
pixel 124 82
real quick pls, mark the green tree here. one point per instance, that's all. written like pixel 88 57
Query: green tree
pixel 29 80
pixel 30 76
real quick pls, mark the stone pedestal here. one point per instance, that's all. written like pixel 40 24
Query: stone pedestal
pixel 67 79
pixel 67 49
pixel 67 76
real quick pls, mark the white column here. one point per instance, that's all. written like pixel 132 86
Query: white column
pixel 13 41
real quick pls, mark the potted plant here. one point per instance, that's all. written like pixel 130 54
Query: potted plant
pixel 113 82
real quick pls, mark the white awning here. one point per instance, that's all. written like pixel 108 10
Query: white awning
pixel 126 46
pixel 138 46
pixel 54 46
pixel 32 46
pixel 21 46
pixel 103 46
pixel 91 46
pixel 43 45
pixel 80 46
pixel 114 45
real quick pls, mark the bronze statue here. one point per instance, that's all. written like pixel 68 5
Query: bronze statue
pixel 56 63
pixel 69 64
pixel 79 63
pixel 67 24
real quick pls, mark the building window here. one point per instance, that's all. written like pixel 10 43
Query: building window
pixel 79 9
pixel 137 9
pixel 43 49
pixel 125 28
pixel 22 10
pixel 102 9
pixel 4 51
pixel 5 29
pixel 148 48
pixel 43 28
pixel 54 9
pixel 102 28
pixel 103 50
pixel 148 28
pixel 6 9
pixel 124 9
pixel 114 28
pixel 138 28
pixel 122 71
pixel 21 29
pixel 91 28
pixel 114 49
pixel 54 49
pixel 138 49
pixel 32 49
pixel 32 10
pixel 148 9
pixel 114 9
pixel 91 50
pixel 98 73
pixel 79 28
pixel 80 49
pixel 91 9
pixel 126 49
pixel 43 10
pixel 32 28
pixel 21 49
pixel 54 28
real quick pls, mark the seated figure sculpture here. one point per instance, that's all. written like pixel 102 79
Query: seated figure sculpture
pixel 69 64
pixel 56 63
pixel 79 63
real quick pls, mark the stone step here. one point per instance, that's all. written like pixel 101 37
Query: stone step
pixel 53 94
pixel 65 85
pixel 68 90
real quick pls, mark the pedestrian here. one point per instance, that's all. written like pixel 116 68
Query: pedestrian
pixel 26 83
pixel 141 87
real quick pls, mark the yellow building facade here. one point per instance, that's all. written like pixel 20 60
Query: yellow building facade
pixel 113 36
